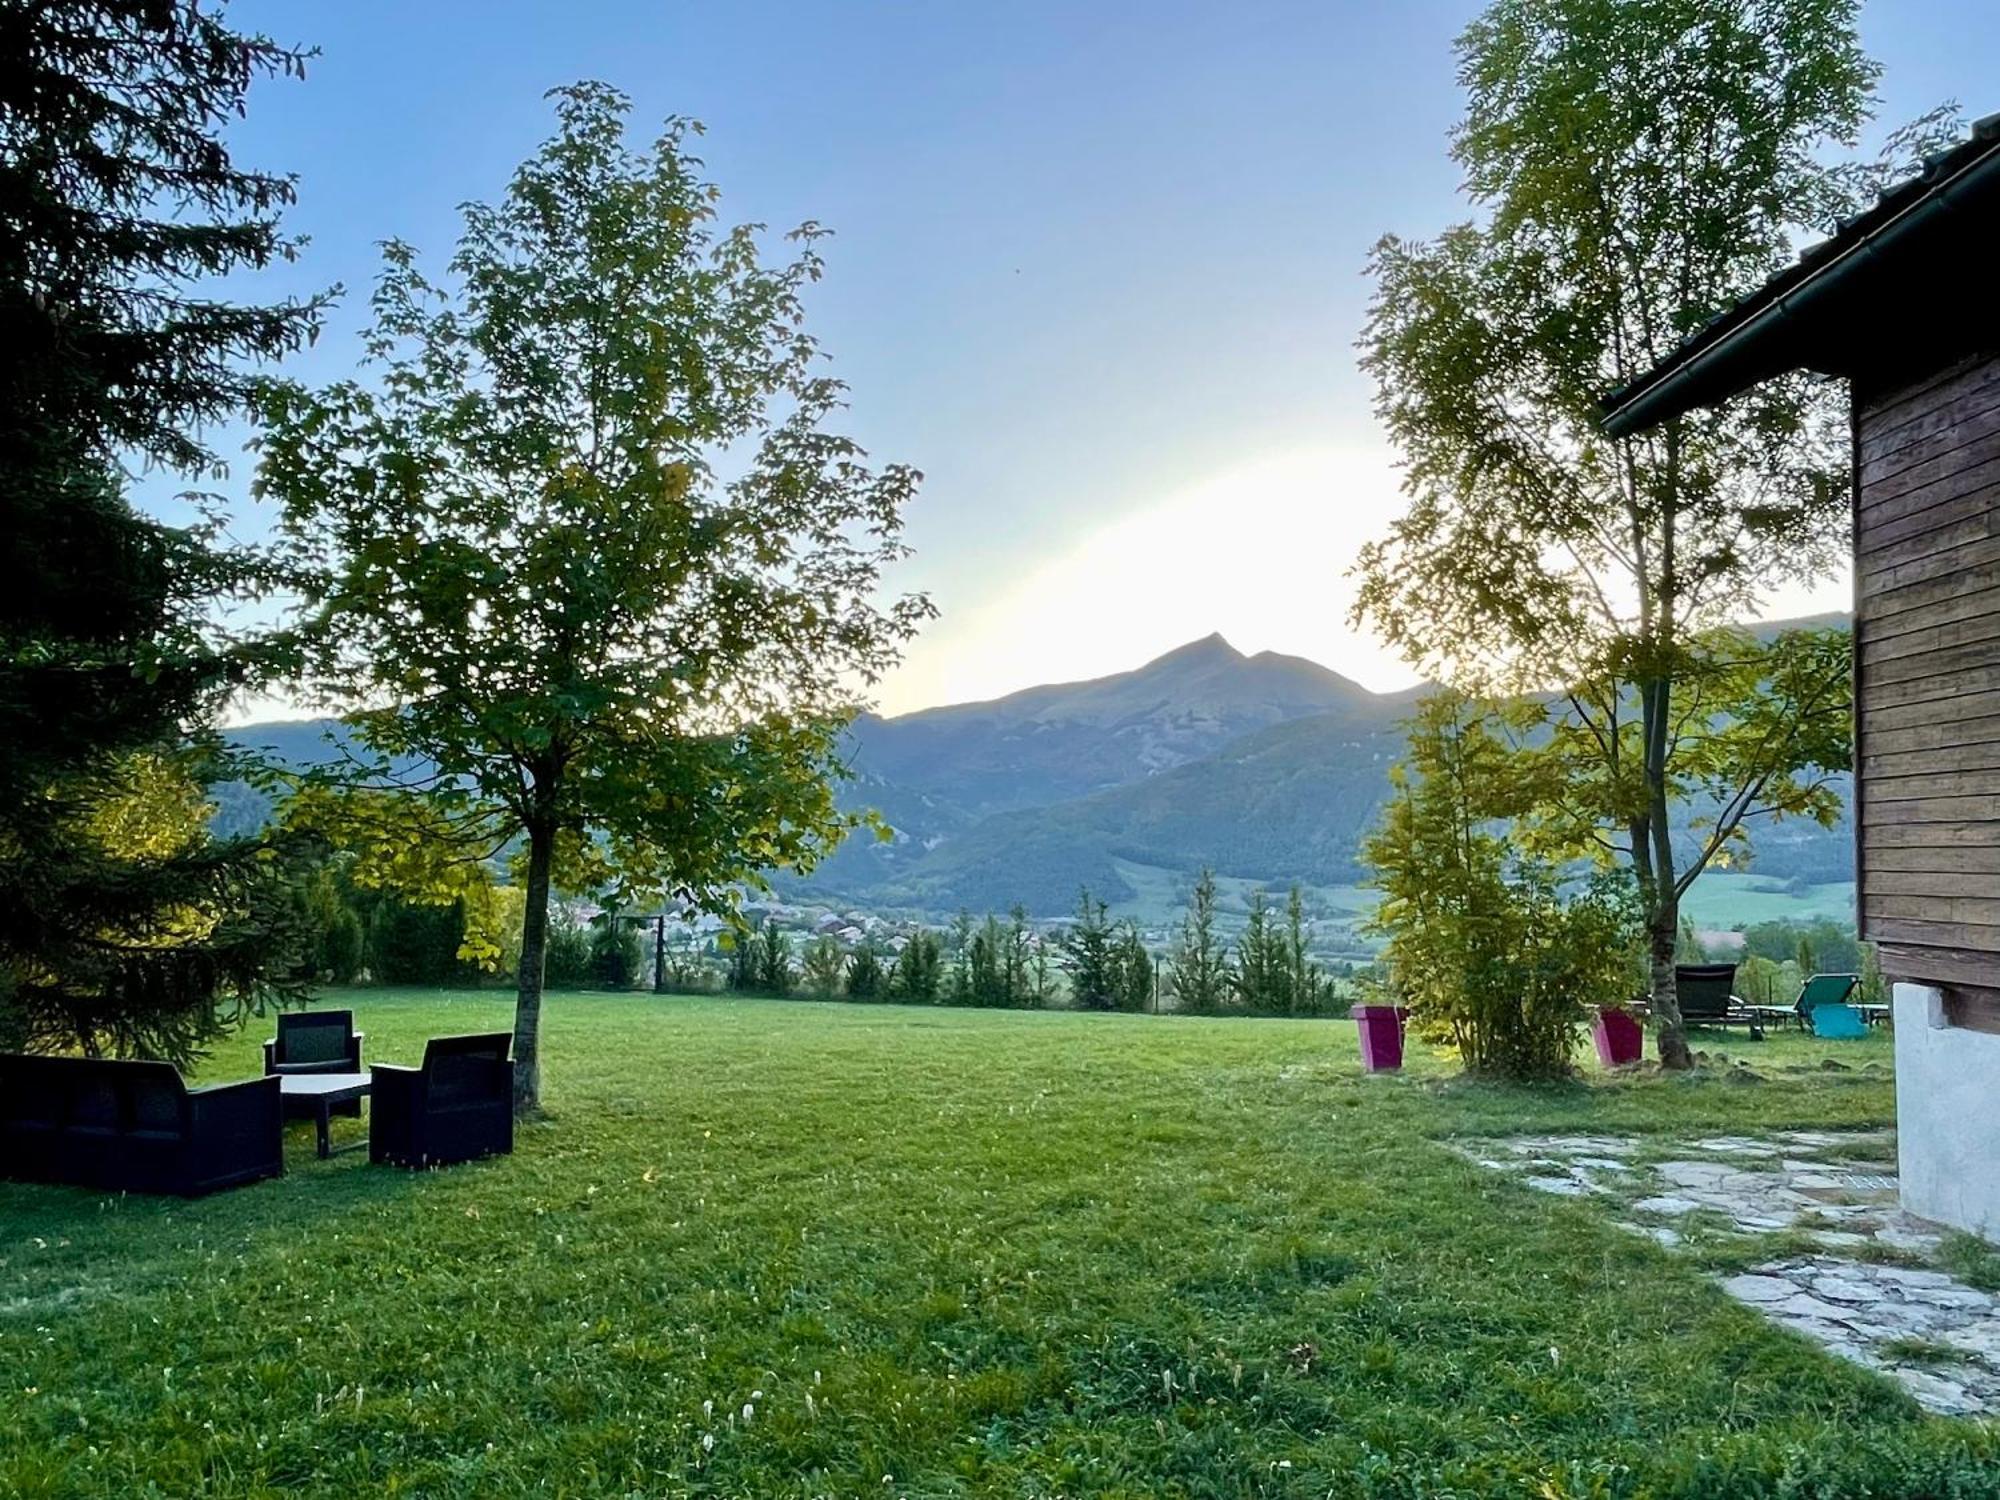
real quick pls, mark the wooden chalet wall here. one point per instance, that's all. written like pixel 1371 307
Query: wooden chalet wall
pixel 1927 679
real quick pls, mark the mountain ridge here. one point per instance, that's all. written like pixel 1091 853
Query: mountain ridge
pixel 1055 741
pixel 1268 768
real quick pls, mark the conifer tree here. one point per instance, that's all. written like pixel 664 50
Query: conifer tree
pixel 958 983
pixel 989 965
pixel 825 965
pixel 1014 979
pixel 1089 956
pixel 1258 974
pixel 1200 961
pixel 1305 985
pixel 864 973
pixel 744 954
pixel 774 959
pixel 122 205
pixel 1041 974
pixel 916 973
pixel 1132 970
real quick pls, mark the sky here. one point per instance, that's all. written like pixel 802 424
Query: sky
pixel 1096 267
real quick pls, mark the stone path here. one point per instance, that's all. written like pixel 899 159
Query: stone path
pixel 1938 1337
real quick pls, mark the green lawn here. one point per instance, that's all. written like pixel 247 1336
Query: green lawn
pixel 765 1249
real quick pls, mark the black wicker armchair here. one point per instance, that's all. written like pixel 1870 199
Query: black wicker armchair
pixel 459 1105
pixel 315 1041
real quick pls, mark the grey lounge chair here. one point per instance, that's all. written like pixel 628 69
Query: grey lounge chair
pixel 1707 995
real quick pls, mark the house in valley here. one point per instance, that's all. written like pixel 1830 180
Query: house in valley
pixel 1903 303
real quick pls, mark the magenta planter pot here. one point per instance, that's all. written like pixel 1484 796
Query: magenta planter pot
pixel 1381 1036
pixel 1620 1040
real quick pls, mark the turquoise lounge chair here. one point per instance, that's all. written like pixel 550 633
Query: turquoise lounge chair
pixel 1821 991
pixel 1837 1022
pixel 1818 991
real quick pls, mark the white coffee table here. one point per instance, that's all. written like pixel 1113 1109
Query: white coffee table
pixel 325 1090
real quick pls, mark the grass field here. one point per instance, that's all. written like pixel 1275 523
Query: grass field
pixel 769 1249
pixel 1729 898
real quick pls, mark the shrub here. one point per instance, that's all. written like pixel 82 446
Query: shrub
pixel 616 956
pixel 1489 950
pixel 864 974
pixel 825 965
pixel 567 950
pixel 917 970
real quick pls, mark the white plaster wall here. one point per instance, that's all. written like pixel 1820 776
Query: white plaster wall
pixel 1947 1115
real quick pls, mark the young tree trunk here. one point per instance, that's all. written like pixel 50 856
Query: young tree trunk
pixel 1670 1031
pixel 528 991
pixel 1663 905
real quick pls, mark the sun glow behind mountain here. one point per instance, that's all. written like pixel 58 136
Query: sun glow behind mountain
pixel 1260 553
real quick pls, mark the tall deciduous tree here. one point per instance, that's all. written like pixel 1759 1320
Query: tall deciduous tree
pixel 1638 167
pixel 122 926
pixel 585 549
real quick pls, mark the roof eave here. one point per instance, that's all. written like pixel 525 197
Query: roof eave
pixel 1771 331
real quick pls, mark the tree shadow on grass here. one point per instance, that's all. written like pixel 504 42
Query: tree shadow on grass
pixel 65 1247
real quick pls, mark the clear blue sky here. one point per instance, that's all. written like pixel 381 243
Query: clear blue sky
pixel 1096 268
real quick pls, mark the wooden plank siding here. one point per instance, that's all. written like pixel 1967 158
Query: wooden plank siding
pixel 1927 675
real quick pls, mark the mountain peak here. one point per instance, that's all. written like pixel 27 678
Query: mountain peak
pixel 1211 647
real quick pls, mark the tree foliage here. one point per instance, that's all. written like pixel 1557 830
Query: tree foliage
pixel 775 974
pixel 585 547
pixel 123 202
pixel 824 968
pixel 915 975
pixel 1637 168
pixel 864 978
pixel 1200 965
pixel 616 955
pixel 1271 970
pixel 1485 946
pixel 1133 974
pixel 1091 958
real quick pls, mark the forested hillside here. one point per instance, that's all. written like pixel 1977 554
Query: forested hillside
pixel 1266 768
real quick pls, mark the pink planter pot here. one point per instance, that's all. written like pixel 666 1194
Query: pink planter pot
pixel 1381 1036
pixel 1620 1039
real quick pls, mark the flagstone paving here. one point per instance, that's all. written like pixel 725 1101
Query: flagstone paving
pixel 1939 1338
